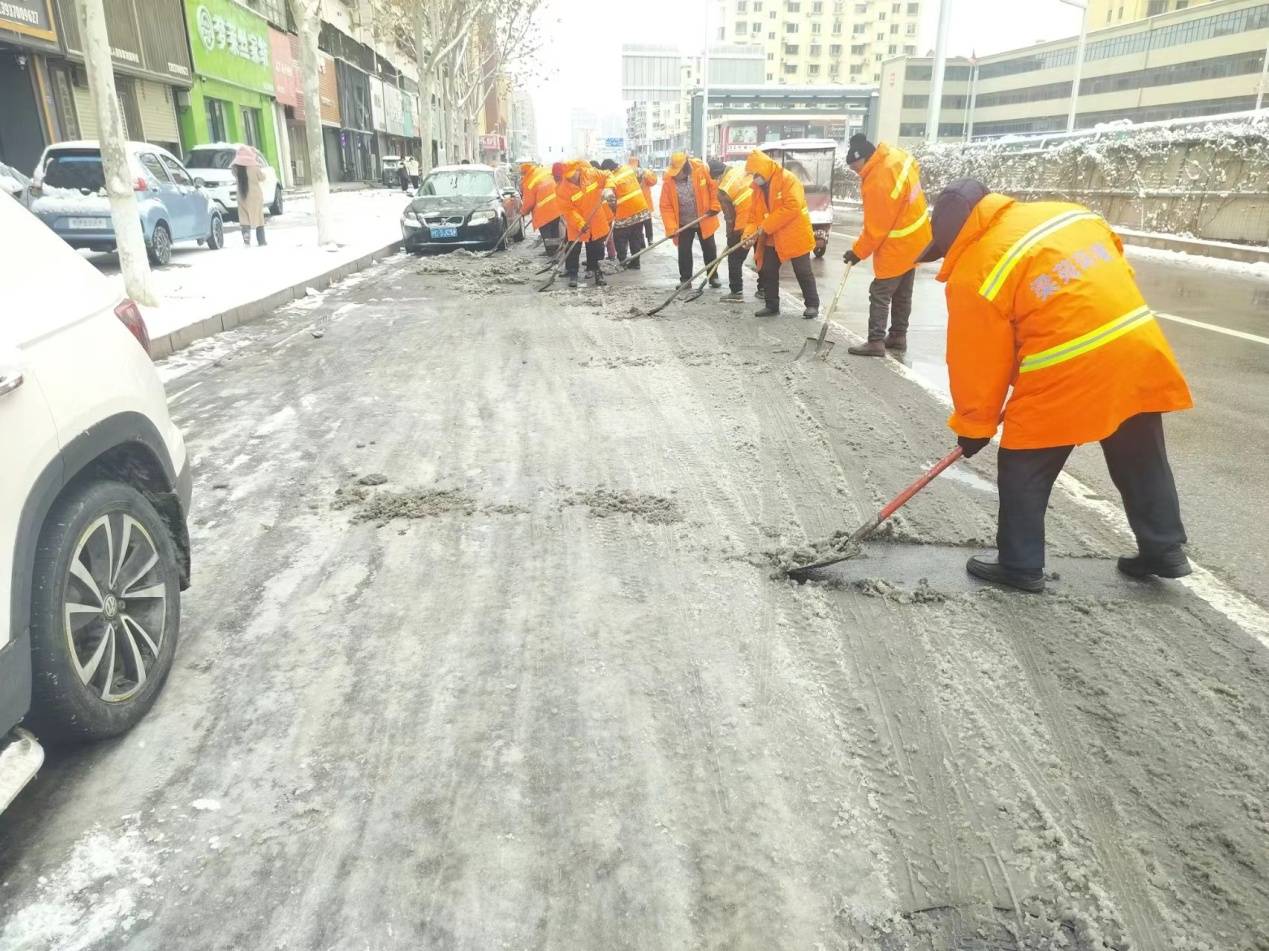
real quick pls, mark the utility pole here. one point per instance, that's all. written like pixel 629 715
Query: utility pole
pixel 1082 5
pixel 936 77
pixel 1264 78
pixel 705 88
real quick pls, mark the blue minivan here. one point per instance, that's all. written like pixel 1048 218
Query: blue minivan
pixel 68 193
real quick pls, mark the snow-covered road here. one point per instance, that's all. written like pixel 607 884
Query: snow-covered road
pixel 484 651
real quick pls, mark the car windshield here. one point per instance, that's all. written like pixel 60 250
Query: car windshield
pixel 79 170
pixel 210 158
pixel 466 184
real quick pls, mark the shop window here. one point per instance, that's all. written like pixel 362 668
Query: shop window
pixel 217 119
pixel 64 103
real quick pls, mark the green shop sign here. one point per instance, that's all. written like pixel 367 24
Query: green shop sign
pixel 230 43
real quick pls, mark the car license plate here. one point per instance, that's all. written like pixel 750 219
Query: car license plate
pixel 88 224
pixel 444 232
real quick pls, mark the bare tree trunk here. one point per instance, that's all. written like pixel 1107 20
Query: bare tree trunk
pixel 124 211
pixel 424 60
pixel 308 23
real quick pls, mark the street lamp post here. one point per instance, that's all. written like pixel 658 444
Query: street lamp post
pixel 936 78
pixel 1082 5
pixel 705 89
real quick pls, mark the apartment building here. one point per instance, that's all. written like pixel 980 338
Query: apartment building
pixel 812 42
pixel 1203 60
pixel 1106 12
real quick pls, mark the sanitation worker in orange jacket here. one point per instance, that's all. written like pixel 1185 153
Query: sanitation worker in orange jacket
pixel 687 193
pixel 896 230
pixel 780 226
pixel 587 217
pixel 631 213
pixel 647 178
pixel 735 192
pixel 1040 299
pixel 537 189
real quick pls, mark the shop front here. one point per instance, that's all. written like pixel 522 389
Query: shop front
pixel 27 31
pixel 358 150
pixel 288 108
pixel 151 65
pixel 231 99
pixel 328 90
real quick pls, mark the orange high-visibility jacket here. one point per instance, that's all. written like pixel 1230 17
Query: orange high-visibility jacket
pixel 737 184
pixel 538 192
pixel 896 218
pixel 1040 298
pixel 630 199
pixel 647 178
pixel 581 203
pixel 785 221
pixel 704 187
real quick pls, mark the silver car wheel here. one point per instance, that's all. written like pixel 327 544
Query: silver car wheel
pixel 115 606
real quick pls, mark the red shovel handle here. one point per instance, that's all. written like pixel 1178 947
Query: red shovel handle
pixel 900 500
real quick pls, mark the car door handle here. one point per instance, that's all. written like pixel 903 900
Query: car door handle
pixel 10 380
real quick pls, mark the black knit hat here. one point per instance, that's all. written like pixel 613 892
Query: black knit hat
pixel 951 211
pixel 860 149
pixel 716 168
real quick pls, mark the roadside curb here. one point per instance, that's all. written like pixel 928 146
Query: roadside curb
pixel 1195 246
pixel 167 344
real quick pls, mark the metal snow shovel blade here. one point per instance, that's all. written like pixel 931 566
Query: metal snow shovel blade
pixel 858 535
pixel 564 251
pixel 824 347
pixel 502 241
pixel 684 286
pixel 713 269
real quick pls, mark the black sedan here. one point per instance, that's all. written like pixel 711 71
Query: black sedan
pixel 462 206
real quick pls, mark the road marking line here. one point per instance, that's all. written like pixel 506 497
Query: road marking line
pixel 1220 330
pixel 1236 607
pixel 176 396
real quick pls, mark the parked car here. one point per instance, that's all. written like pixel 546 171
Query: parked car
pixel 14 184
pixel 68 193
pixel 94 493
pixel 210 166
pixel 390 171
pixel 462 206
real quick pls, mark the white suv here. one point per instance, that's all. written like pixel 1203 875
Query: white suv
pixel 210 166
pixel 94 491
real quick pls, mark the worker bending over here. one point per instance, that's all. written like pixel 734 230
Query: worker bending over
pixel 687 193
pixel 779 225
pixel 537 188
pixel 587 217
pixel 735 190
pixel 896 229
pixel 647 178
pixel 1040 299
pixel 632 213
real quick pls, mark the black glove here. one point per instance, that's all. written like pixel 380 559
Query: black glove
pixel 850 257
pixel 969 445
pixel 711 214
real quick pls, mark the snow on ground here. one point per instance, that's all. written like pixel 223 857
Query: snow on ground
pixel 1252 269
pixel 200 283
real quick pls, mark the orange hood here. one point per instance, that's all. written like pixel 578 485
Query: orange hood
pixel 979 220
pixel 760 163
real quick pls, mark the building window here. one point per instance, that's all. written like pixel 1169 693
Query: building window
pixel 1156 7
pixel 912 29
pixel 817 7
pixel 858 49
pixel 860 29
pixel 742 6
pixel 815 27
pixel 893 49
pixel 770 77
pixel 757 6
pixel 771 36
pixel 894 29
pixel 855 69
pixel 790 69
pixel 251 127
pixel 793 6
pixel 895 7
pixel 813 69
pixel 909 51
pixel 817 51
pixel 835 49
pixel 914 9
pixel 771 15
pixel 837 27
pixel 861 8
pixel 790 49
pixel 742 28
pixel 217 111
pixel 790 28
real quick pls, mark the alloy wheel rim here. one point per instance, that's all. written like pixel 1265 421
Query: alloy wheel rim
pixel 217 229
pixel 161 249
pixel 114 607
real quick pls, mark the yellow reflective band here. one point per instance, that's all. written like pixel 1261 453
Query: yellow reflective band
pixel 1010 259
pixel 550 198
pixel 1097 337
pixel 743 197
pixel 629 196
pixel 903 177
pixel 904 232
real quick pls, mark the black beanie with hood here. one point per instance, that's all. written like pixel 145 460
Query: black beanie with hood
pixel 860 149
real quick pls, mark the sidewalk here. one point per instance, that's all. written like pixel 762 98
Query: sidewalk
pixel 203 292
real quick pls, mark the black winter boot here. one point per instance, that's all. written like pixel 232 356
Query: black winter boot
pixel 260 236
pixel 990 570
pixel 1169 564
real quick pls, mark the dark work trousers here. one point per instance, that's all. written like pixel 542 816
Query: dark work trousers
pixel 769 278
pixel 629 241
pixel 709 251
pixel 594 254
pixel 890 301
pixel 736 263
pixel 1138 463
pixel 647 231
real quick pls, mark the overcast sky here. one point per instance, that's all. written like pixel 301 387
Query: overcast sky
pixel 585 61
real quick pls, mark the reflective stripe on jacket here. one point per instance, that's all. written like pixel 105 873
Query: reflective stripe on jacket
pixel 630 197
pixel 896 217
pixel 1040 298
pixel 580 203
pixel 539 197
pixel 705 189
pixel 737 184
pixel 787 222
